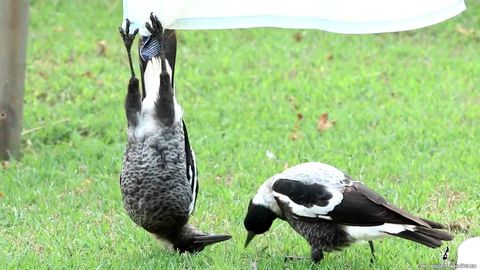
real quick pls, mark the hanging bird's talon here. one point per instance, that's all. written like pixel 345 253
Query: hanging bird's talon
pixel 127 37
pixel 155 28
pixel 128 42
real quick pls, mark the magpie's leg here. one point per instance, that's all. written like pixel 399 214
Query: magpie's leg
pixel 128 41
pixel 133 103
pixel 372 250
pixel 317 255
pixel 164 105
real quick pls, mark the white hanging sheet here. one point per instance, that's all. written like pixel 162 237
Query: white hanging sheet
pixel 338 16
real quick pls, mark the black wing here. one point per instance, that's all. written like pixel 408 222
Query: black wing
pixel 360 206
pixel 192 171
pixel 306 200
pixel 300 193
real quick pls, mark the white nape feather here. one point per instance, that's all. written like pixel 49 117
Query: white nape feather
pixel 148 123
pixel 366 233
pixel 313 172
pixel 265 197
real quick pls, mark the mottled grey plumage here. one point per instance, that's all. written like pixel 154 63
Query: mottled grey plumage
pixel 158 179
pixel 155 190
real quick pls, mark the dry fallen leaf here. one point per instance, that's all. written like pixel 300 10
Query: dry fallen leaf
pixel 88 74
pixel 298 36
pixel 323 122
pixel 102 47
pixel 465 31
pixel 226 180
pixel 294 134
pixel 460 226
pixel 293 102
pixel 82 168
pixel 5 164
pixel 38 248
pixel 84 186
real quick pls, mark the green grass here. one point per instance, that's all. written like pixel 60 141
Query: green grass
pixel 407 111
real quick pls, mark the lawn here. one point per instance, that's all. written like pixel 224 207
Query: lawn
pixel 406 108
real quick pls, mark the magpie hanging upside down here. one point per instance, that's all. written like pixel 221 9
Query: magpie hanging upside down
pixel 159 178
pixel 331 211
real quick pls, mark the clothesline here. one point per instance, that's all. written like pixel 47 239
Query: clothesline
pixel 338 16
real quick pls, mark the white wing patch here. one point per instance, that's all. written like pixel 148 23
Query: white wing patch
pixel 366 233
pixel 314 211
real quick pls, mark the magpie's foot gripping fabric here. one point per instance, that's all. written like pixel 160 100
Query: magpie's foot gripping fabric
pixel 155 28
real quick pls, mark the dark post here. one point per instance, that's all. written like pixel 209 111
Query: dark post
pixel 13 48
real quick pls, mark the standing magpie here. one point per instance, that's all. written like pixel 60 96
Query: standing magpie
pixel 331 211
pixel 159 178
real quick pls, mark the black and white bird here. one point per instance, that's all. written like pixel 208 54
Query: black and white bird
pixel 159 178
pixel 331 211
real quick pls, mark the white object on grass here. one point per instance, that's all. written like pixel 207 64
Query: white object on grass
pixel 468 256
pixel 339 16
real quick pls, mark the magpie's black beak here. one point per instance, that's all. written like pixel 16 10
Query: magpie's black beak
pixel 250 236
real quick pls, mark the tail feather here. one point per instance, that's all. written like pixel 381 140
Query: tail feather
pixel 429 237
pixel 442 235
pixel 210 239
pixel 192 240
pixel 194 243
pixel 433 224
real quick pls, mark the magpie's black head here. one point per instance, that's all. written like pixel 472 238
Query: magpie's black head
pixel 259 219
